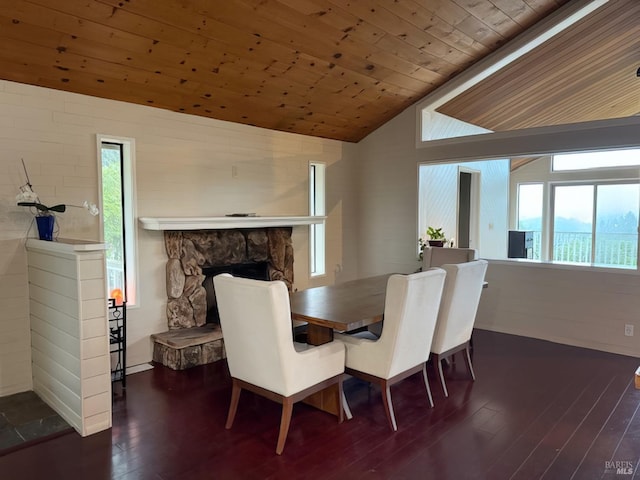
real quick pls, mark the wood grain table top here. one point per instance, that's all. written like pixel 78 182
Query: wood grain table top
pixel 343 307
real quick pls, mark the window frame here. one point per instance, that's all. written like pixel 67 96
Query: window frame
pixel 607 168
pixel 594 236
pixel 129 212
pixel 548 217
pixel 543 214
pixel 317 207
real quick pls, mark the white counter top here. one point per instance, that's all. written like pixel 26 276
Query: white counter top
pixel 65 245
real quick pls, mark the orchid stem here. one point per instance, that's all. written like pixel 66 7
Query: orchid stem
pixel 26 174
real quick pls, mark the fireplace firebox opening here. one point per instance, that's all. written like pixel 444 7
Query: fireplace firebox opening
pixel 254 270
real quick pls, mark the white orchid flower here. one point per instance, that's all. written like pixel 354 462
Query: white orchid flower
pixel 92 208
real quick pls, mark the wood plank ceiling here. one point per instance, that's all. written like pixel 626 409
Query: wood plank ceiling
pixel 328 68
pixel 587 72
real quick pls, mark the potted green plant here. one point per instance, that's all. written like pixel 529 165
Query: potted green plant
pixel 436 237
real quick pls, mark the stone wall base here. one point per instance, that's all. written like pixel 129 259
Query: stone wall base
pixel 189 347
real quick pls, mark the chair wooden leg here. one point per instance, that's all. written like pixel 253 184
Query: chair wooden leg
pixel 441 373
pixel 426 383
pixel 343 407
pixel 467 358
pixel 388 406
pixel 233 405
pixel 287 409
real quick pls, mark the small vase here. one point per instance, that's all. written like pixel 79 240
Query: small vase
pixel 436 243
pixel 45 225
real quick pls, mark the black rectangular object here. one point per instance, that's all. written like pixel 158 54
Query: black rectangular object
pixel 520 244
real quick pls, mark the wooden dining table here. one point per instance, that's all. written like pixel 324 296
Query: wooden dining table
pixel 343 307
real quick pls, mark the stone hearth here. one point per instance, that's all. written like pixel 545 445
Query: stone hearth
pixel 188 253
pixel 188 347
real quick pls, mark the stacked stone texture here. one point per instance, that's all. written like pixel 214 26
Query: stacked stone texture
pixel 189 251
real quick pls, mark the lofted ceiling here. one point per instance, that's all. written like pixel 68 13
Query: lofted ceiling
pixel 328 68
pixel 587 72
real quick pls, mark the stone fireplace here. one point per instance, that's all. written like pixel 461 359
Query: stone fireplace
pixel 192 254
pixel 194 243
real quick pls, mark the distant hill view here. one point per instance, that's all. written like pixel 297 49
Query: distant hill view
pixel 609 224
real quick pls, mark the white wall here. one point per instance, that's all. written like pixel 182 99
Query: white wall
pixel 438 192
pixel 388 198
pixel 389 185
pixel 577 306
pixel 437 126
pixel 184 167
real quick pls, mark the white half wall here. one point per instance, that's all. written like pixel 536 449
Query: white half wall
pixel 586 307
pixel 70 332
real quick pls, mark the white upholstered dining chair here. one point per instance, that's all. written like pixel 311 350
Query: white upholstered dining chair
pixel 410 312
pixel 437 256
pixel 462 288
pixel 434 257
pixel 262 356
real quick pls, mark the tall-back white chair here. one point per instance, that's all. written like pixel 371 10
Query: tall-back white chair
pixel 434 257
pixel 460 299
pixel 410 312
pixel 437 256
pixel 255 317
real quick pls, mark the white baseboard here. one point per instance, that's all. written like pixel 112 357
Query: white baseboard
pixel 139 368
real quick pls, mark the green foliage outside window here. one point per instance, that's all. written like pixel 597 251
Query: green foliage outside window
pixel 112 203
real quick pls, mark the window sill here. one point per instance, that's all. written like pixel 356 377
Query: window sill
pixel 562 266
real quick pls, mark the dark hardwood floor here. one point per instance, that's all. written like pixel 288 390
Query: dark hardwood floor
pixel 537 410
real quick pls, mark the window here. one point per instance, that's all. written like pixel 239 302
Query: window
pixel 592 216
pixel 530 203
pixel 596 224
pixel 116 166
pixel 441 199
pixel 317 207
pixel 590 160
pixel 582 206
pixel 573 223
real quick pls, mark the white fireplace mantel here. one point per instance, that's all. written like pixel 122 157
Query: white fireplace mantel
pixel 226 222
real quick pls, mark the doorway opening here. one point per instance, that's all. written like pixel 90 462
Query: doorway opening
pixel 468 211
